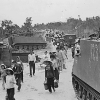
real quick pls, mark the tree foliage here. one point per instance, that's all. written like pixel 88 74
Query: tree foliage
pixel 72 25
pixel 27 27
pixel 9 28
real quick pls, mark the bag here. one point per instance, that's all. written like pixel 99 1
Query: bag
pixel 45 85
pixel 55 84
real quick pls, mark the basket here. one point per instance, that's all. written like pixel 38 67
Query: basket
pixel 55 84
pixel 45 85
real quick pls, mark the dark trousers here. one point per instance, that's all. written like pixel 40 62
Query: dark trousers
pixel 56 72
pixel 50 83
pixel 10 94
pixel 22 76
pixel 73 54
pixel 32 67
pixel 78 51
pixel 18 80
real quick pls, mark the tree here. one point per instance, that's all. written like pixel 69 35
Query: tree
pixel 27 27
pixel 6 23
pixel 7 27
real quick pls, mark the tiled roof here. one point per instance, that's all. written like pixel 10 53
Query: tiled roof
pixel 27 39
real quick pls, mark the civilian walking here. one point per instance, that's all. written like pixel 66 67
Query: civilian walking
pixel 31 61
pixel 73 51
pixel 17 72
pixel 59 57
pixel 46 56
pixel 49 76
pixel 64 58
pixel 55 67
pixel 10 81
pixel 21 64
pixel 3 75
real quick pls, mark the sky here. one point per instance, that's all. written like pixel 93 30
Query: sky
pixel 44 11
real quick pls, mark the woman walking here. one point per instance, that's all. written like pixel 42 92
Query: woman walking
pixel 17 72
pixel 55 67
pixel 20 64
pixel 64 58
pixel 49 75
pixel 59 57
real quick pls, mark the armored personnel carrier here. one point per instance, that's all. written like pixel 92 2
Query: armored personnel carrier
pixel 86 70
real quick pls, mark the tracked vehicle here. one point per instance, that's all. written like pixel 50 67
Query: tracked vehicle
pixel 86 70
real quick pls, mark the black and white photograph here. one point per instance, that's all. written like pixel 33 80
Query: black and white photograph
pixel 49 49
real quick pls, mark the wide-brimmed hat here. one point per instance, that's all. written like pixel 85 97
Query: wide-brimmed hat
pixel 13 61
pixel 10 69
pixel 47 62
pixel 3 65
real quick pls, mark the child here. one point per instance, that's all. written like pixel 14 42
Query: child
pixel 3 75
pixel 10 81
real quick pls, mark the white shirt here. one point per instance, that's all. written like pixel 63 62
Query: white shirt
pixel 54 63
pixel 64 54
pixel 77 47
pixel 10 80
pixel 54 48
pixel 31 57
pixel 59 55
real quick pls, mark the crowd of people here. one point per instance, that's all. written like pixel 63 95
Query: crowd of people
pixel 55 63
pixel 11 76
